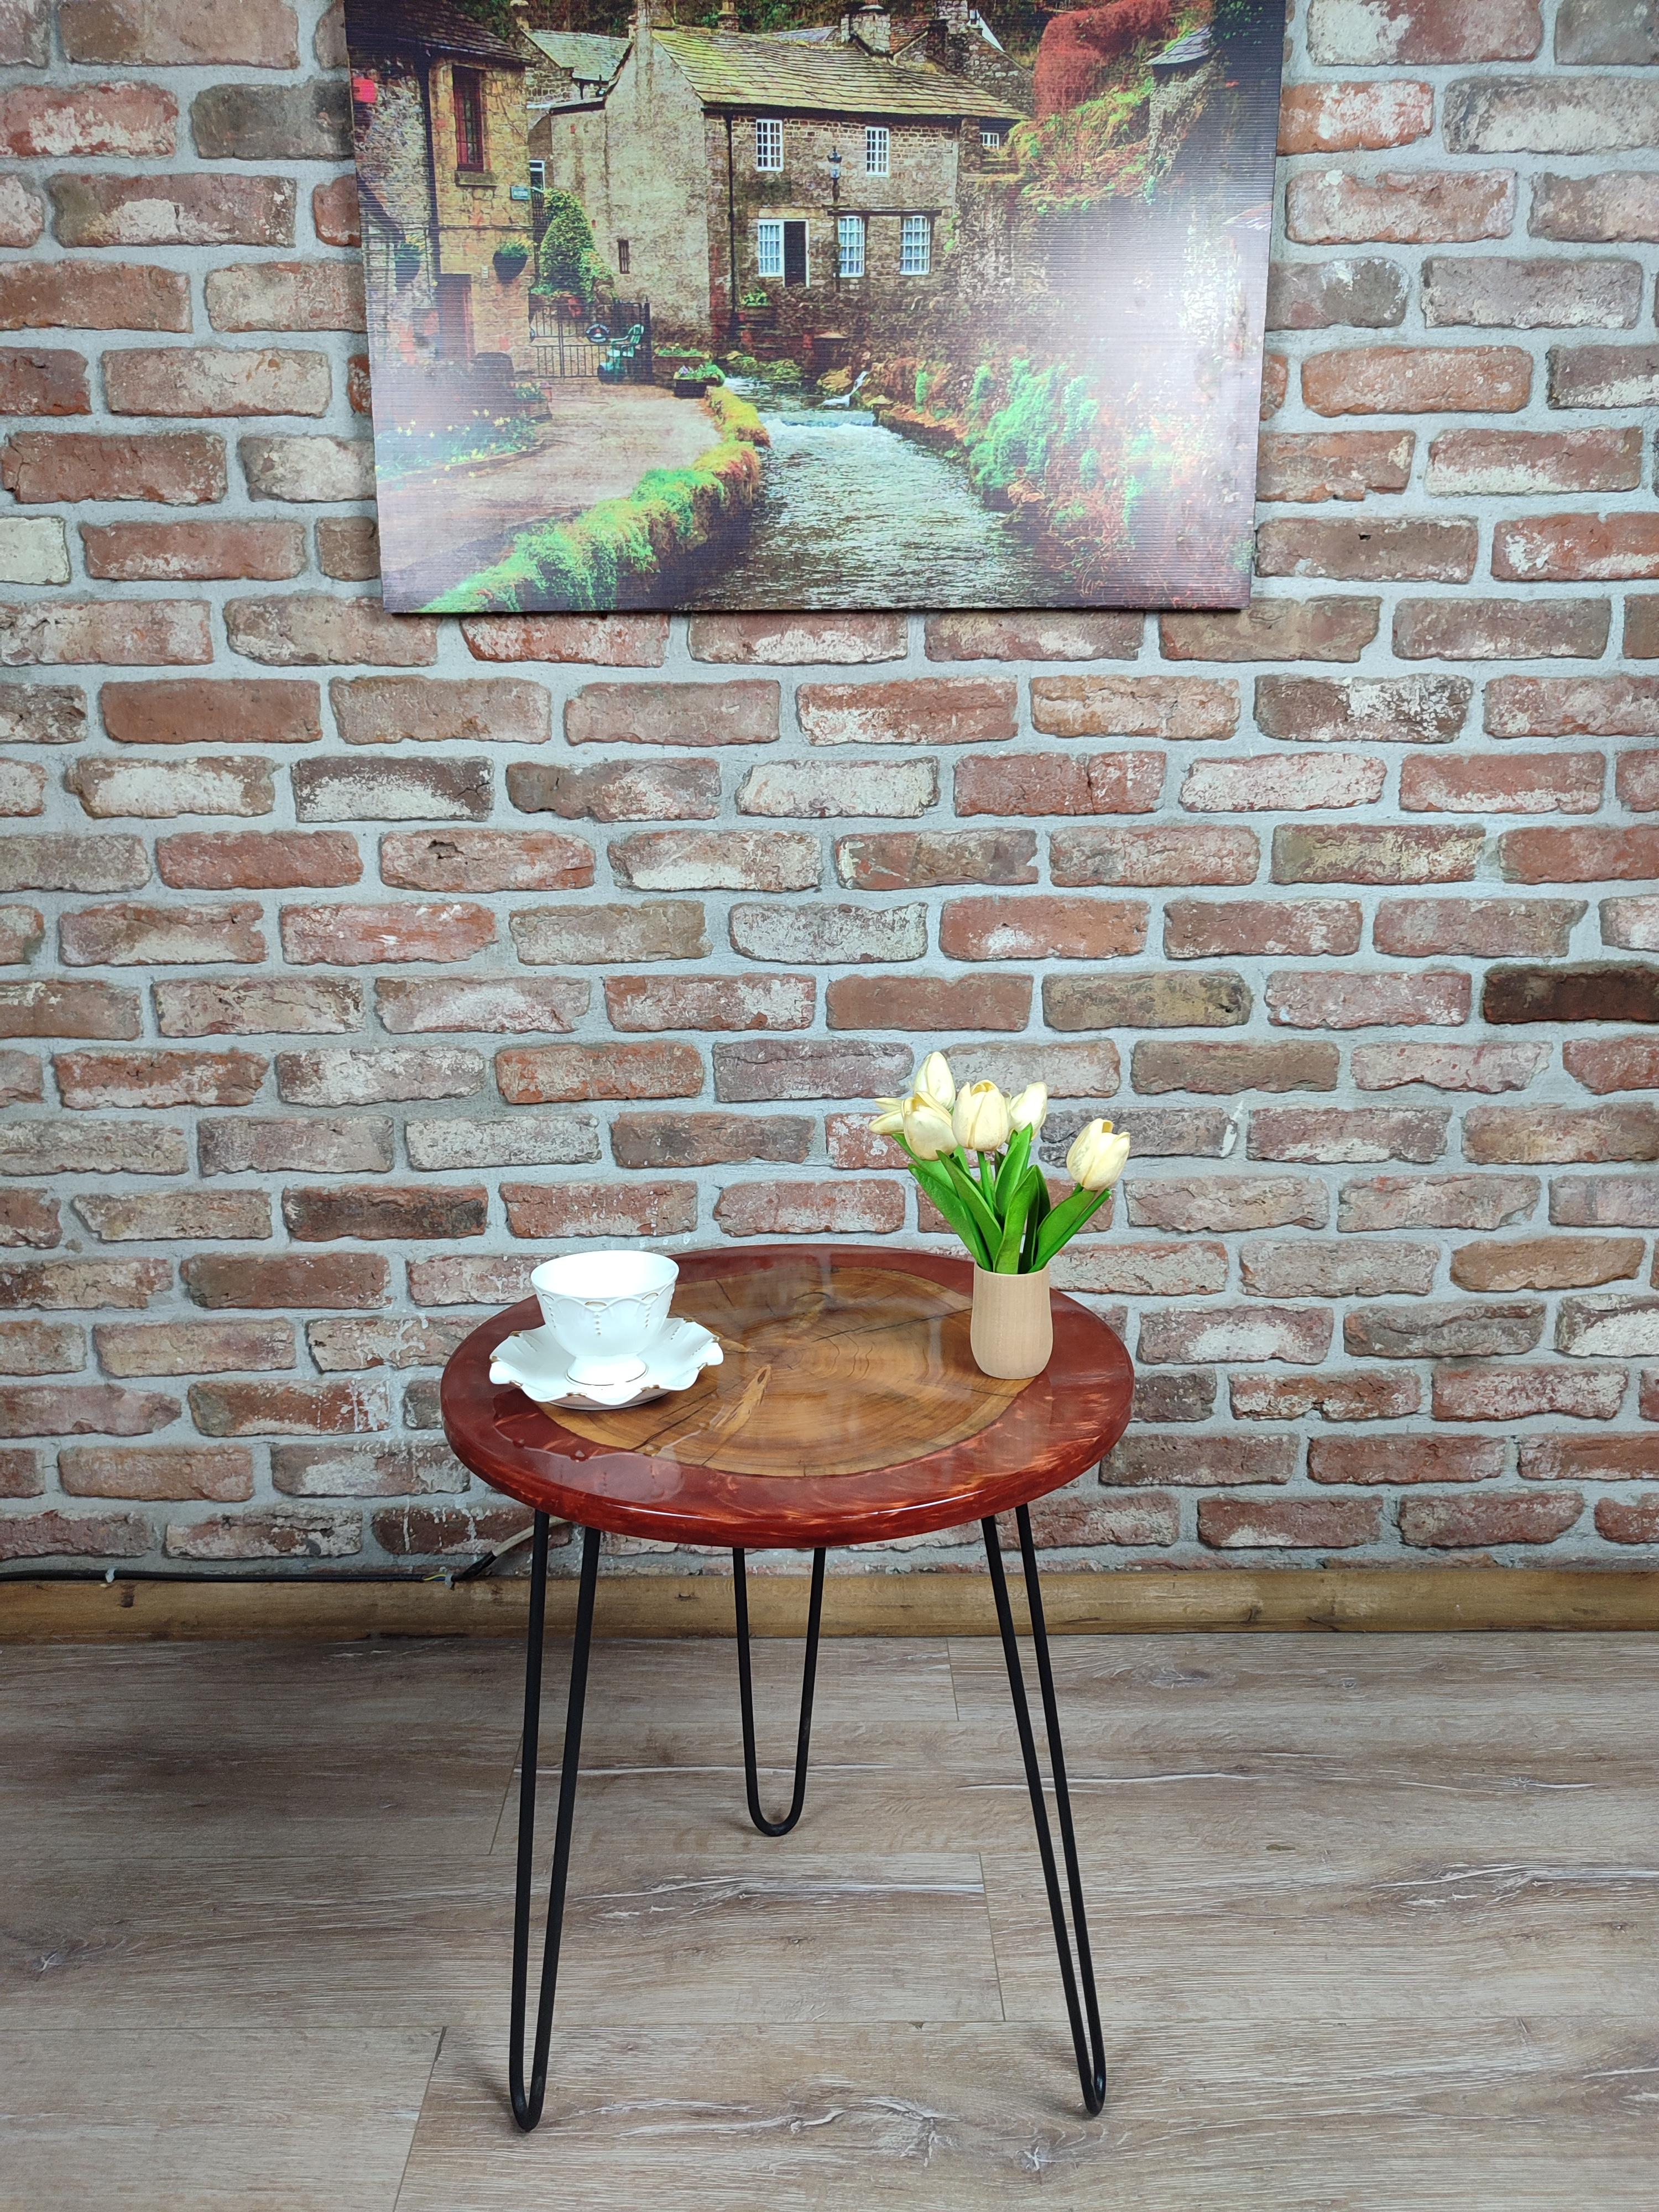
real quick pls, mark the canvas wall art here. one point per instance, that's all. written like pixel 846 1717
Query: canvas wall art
pixel 778 304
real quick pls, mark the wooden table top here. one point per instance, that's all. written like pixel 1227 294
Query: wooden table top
pixel 848 1409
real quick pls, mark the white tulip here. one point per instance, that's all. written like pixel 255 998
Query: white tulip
pixel 891 1119
pixel 936 1082
pixel 981 1118
pixel 926 1128
pixel 1031 1110
pixel 1097 1157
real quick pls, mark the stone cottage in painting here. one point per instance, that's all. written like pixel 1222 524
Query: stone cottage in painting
pixel 793 194
pixel 443 177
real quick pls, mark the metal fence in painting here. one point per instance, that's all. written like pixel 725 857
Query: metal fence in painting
pixel 614 343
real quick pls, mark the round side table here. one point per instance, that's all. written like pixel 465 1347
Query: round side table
pixel 848 1410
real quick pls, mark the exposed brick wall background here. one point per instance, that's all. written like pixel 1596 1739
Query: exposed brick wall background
pixel 353 963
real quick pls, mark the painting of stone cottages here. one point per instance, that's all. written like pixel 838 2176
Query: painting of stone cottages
pixel 775 304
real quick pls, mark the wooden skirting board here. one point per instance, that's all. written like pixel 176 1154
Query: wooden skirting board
pixel 1143 1602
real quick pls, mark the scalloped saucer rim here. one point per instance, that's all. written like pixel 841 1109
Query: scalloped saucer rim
pixel 536 1363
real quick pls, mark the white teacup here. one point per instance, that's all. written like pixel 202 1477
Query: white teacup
pixel 604 1307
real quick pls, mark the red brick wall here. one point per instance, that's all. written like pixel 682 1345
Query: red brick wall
pixel 354 962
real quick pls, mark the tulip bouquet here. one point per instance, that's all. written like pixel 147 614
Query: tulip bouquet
pixel 1000 1207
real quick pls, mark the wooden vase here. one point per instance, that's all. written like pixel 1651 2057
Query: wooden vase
pixel 1012 1332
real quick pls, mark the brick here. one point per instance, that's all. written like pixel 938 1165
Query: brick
pixel 1443 1330
pixel 796 640
pixel 130 936
pixel 1070 1070
pixel 1603 31
pixel 1349 1134
pixel 485 860
pixel 1320 999
pixel 1442 1201
pixel 250 1145
pixel 1048 635
pixel 253 1006
pixel 83 1409
pixel 110 788
pixel 1303 295
pixel 1620 207
pixel 35 380
pixel 1636 782
pixel 525 1140
pixel 1228 1069
pixel 30 1218
pixel 177 552
pixel 308 468
pixel 1570 548
pixel 307 122
pixel 57 1006
pixel 1548 115
pixel 710 1002
pixel 1603 375
pixel 647 929
pixel 355 936
pixel 1181 708
pixel 371 1078
pixel 1481 928
pixel 922 1003
pixel 150 1216
pixel 1390 1459
pixel 1546 1263
pixel 1609 1325
pixel 1059 783
pixel 333 788
pixel 130 633
pixel 1462 1524
pixel 1359 1395
pixel 511 1005
pixel 1146 859
pixel 1632 922
pixel 619 791
pixel 1642 626
pixel 1205 1133
pixel 1399 207
pixel 206 1347
pixel 1317 1524
pixel 740 712
pixel 692 1140
pixel 1042 929
pixel 1423 31
pixel 94 1079
pixel 1201 929
pixel 545 1210
pixel 257 33
pixel 1243 1333
pixel 1524 783
pixel 257 860
pixel 349 546
pixel 762 1069
pixel 1426 548
pixel 102 208
pixel 454 1279
pixel 381 1468
pixel 335 215
pixel 378 710
pixel 840 1207
pixel 1497 1392
pixel 372 1211
pixel 718 860
pixel 1172 1395
pixel 68 295
pixel 285 1281
pixel 22 791
pixel 1485 462
pixel 1273 782
pixel 55 1146
pixel 220 1472
pixel 56 121
pixel 1072 1517
pixel 830 933
pixel 1308 1268
pixel 1605 1064
pixel 56 862
pixel 926 860
pixel 1275 383
pixel 80 1285
pixel 1355 116
pixel 818 790
pixel 547 1074
pixel 196 711
pixel 1273 630
pixel 42 714
pixel 1486 292
pixel 1198 1463
pixel 1223 1203
pixel 1217 1000
pixel 319 1533
pixel 937 710
pixel 1417 381
pixel 1628 1520
pixel 1420 710
pixel 407 1531
pixel 1348 464
pixel 34 549
pixel 285 296
pixel 1585 856
pixel 22 213
pixel 1398 854
pixel 1099 1267
pixel 1448 1066
pixel 356 1341
pixel 1587 991
pixel 216 380
pixel 74 1535
pixel 40 1348
pixel 597 641
pixel 305 629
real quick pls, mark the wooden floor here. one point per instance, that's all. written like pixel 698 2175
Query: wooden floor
pixel 1376 1920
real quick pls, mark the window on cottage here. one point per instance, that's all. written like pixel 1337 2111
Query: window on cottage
pixel 768 247
pixel 849 239
pixel 916 246
pixel 539 178
pixel 469 119
pixel 769 142
pixel 878 149
pixel 994 136
pixel 624 258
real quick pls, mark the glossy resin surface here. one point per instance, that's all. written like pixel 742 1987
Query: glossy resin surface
pixel 847 1410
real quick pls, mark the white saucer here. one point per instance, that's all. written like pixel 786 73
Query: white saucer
pixel 538 1364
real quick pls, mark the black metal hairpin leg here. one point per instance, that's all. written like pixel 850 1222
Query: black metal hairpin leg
pixel 746 1695
pixel 1090 2051
pixel 527 2104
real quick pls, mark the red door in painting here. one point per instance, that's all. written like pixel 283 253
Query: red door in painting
pixel 455 318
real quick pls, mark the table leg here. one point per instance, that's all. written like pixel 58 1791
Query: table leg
pixel 747 1696
pixel 1090 2051
pixel 527 2104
